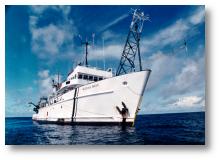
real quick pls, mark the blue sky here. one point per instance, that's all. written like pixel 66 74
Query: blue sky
pixel 42 40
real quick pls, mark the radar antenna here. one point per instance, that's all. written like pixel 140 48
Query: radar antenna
pixel 131 47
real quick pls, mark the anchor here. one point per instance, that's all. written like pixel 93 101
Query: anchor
pixel 124 112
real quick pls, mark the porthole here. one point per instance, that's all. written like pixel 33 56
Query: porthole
pixel 125 83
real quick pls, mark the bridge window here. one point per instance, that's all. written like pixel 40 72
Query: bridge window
pixel 100 78
pixel 85 77
pixel 95 79
pixel 91 78
pixel 79 76
pixel 67 82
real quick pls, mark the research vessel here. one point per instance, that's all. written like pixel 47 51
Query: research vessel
pixel 94 96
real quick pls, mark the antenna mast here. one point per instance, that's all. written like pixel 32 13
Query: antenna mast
pixel 86 43
pixel 103 51
pixel 131 47
pixel 93 46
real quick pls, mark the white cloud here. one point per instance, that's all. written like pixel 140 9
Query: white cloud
pixel 51 40
pixel 110 35
pixel 32 22
pixel 174 33
pixel 110 51
pixel 45 82
pixel 170 35
pixel 191 78
pixel 43 74
pixel 190 101
pixel 198 16
pixel 40 9
pixel 162 66
pixel 173 78
pixel 65 9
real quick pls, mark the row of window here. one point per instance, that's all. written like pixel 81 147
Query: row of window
pixel 88 77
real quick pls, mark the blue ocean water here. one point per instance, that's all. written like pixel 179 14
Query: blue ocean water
pixel 176 128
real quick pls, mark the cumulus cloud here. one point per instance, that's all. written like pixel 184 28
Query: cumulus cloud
pixel 110 51
pixel 163 66
pixel 40 9
pixel 191 78
pixel 51 39
pixel 190 101
pixel 198 16
pixel 172 79
pixel 45 82
pixel 43 74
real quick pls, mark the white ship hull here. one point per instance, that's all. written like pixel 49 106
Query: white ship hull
pixel 96 102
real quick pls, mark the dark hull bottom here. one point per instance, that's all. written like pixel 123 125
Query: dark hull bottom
pixel 86 123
